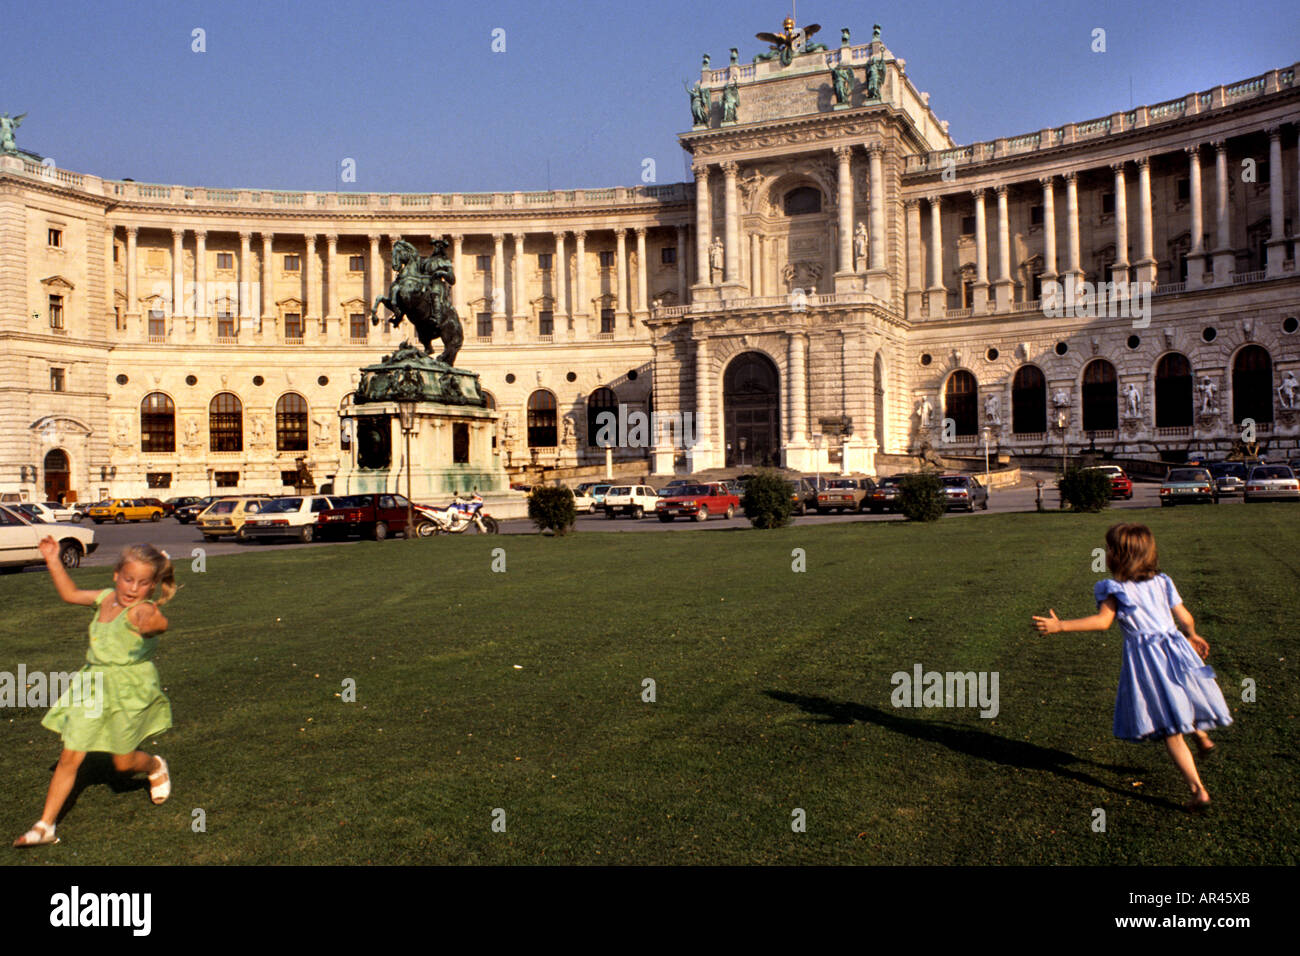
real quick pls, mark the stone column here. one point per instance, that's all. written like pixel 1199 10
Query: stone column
pixel 1144 270
pixel 178 272
pixel 755 263
pixel 1119 271
pixel 244 310
pixel 938 294
pixel 621 307
pixel 110 274
pixel 376 274
pixel 268 283
pixel 876 251
pixel 980 289
pixel 458 290
pixel 200 272
pixel 797 357
pixel 1003 287
pixel 844 199
pixel 561 279
pixel 1222 257
pixel 580 303
pixel 132 300
pixel 312 309
pixel 701 457
pixel 1196 255
pixel 731 207
pixel 914 293
pixel 642 289
pixel 519 278
pixel 330 314
pixel 681 265
pixel 1276 248
pixel 496 288
pixel 1049 228
pixel 703 224
pixel 1073 270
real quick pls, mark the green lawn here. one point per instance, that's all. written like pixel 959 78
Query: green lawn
pixel 773 693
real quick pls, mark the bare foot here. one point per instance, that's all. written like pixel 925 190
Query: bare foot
pixel 1203 743
pixel 1200 800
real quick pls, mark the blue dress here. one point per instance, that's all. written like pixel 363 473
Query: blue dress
pixel 1164 686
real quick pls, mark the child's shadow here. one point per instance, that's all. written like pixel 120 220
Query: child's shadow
pixel 97 768
pixel 975 743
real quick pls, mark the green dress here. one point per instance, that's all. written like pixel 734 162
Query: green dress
pixel 116 700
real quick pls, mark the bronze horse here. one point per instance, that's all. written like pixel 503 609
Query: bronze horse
pixel 420 294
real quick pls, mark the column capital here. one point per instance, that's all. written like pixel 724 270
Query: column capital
pixel 132 231
pixel 1193 151
pixel 934 201
pixel 640 231
pixel 843 153
pixel 729 168
pixel 245 235
pixel 913 203
pixel 332 238
pixel 1071 178
pixel 1220 145
pixel 978 193
pixel 498 238
pixel 1274 132
pixel 1118 168
pixel 310 237
pixel 178 234
pixel 701 171
pixel 518 237
pixel 875 149
pixel 1001 190
pixel 1046 181
pixel 201 235
pixel 1143 162
pixel 374 238
pixel 267 237
pixel 580 236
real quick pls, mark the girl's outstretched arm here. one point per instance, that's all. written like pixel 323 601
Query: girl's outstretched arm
pixel 63 583
pixel 1100 621
pixel 1188 624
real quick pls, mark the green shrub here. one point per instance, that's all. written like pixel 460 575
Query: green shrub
pixel 1084 489
pixel 766 500
pixel 551 507
pixel 921 497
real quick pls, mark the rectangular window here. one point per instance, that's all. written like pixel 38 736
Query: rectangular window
pixel 357 326
pixel 1184 190
pixel 116 247
pixel 546 323
pixel 483 263
pixel 668 255
pixel 291 263
pixel 292 325
pixel 968 225
pixel 289 479
pixel 356 263
pixel 56 238
pixel 225 325
pixel 1108 204
pixel 543 260
pixel 225 260
pixel 460 443
pixel 1036 215
pixel 56 311
pixel 607 320
pixel 485 325
pixel 159 479
pixel 56 380
pixel 157 323
pixel 226 479
pixel 607 260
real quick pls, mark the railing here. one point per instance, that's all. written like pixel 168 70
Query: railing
pixel 1240 277
pixel 153 337
pixel 227 340
pixel 353 199
pixel 1170 288
pixel 959 313
pixel 1104 434
pixel 222 195
pixel 293 340
pixel 288 199
pixel 609 336
pixel 1178 431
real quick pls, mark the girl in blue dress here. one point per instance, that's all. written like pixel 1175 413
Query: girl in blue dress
pixel 1165 691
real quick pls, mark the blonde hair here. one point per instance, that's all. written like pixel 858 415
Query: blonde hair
pixel 1131 552
pixel 164 578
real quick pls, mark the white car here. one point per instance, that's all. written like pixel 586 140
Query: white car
pixel 19 539
pixel 54 512
pixel 293 516
pixel 634 500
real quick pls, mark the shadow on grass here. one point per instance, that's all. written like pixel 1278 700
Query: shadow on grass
pixel 974 743
pixel 97 768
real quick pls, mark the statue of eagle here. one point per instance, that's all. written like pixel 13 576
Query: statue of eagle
pixel 789 41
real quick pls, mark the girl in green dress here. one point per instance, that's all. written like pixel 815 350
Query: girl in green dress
pixel 127 704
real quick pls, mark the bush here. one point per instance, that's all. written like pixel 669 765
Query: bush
pixel 551 507
pixel 1085 490
pixel 766 500
pixel 921 497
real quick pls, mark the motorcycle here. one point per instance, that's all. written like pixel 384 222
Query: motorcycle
pixel 457 517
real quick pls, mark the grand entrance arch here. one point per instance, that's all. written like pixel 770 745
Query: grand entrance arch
pixel 751 403
pixel 57 476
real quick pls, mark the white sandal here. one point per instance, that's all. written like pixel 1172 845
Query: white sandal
pixel 160 790
pixel 40 834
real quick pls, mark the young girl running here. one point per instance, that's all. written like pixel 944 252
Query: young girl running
pixel 1164 690
pixel 127 704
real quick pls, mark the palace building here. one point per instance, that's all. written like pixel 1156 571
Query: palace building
pixel 840 280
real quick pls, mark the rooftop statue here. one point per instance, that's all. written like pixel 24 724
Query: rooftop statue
pixel 7 126
pixel 789 42
pixel 730 100
pixel 875 77
pixel 701 103
pixel 842 80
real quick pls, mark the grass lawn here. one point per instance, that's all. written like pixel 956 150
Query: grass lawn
pixel 523 691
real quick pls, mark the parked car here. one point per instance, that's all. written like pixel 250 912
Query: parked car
pixel 187 513
pixel 121 510
pixel 1229 476
pixel 803 494
pixel 28 510
pixel 845 494
pixel 295 516
pixel 226 517
pixel 54 511
pixel 633 500
pixel 1121 486
pixel 965 491
pixel 1188 485
pixel 1199 459
pixel 375 515
pixel 19 539
pixel 697 501
pixel 884 497
pixel 583 503
pixel 675 483
pixel 1272 483
pixel 598 494
pixel 171 504
pixel 158 503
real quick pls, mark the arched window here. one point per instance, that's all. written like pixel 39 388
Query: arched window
pixel 541 419
pixel 291 423
pixel 959 402
pixel 601 400
pixel 802 201
pixel 1252 385
pixel 1100 397
pixel 225 423
pixel 1173 392
pixel 157 423
pixel 1028 401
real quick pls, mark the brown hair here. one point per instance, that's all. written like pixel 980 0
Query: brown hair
pixel 164 579
pixel 1131 552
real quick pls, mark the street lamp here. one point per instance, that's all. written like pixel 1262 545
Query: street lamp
pixel 406 409
pixel 817 458
pixel 986 457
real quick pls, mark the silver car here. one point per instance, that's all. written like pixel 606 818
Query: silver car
pixel 1272 483
pixel 1229 476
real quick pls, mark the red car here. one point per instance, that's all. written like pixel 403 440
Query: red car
pixel 375 515
pixel 1121 486
pixel 698 502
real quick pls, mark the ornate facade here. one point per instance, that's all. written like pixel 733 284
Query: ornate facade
pixel 841 279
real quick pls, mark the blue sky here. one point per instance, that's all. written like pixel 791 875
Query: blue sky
pixel 583 93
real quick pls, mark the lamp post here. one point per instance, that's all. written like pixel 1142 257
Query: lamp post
pixel 743 443
pixel 406 409
pixel 817 459
pixel 986 457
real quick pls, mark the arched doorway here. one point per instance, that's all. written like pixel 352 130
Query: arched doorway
pixel 1100 397
pixel 57 474
pixel 959 402
pixel 1252 385
pixel 751 410
pixel 1173 392
pixel 1028 401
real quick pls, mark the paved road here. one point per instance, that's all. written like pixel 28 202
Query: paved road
pixel 180 540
